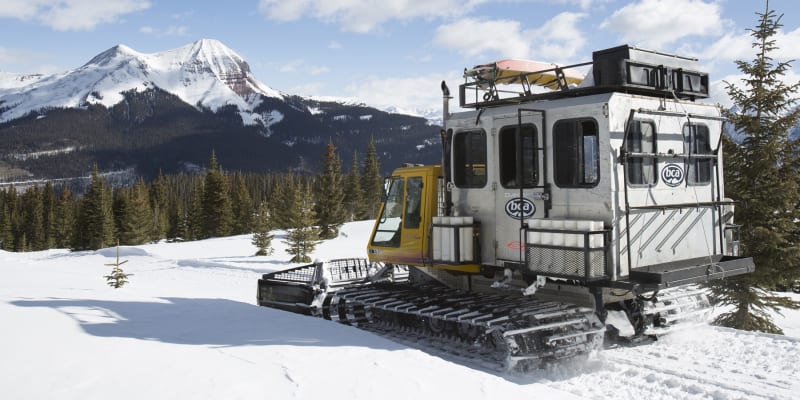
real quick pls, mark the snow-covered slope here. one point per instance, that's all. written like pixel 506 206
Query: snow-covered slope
pixel 187 327
pixel 205 73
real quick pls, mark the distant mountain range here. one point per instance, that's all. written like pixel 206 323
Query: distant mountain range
pixel 167 111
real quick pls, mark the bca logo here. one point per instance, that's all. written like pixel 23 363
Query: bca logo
pixel 518 208
pixel 672 175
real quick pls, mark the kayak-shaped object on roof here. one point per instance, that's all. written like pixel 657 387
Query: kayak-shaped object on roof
pixel 513 71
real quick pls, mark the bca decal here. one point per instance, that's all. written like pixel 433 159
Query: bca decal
pixel 672 175
pixel 518 208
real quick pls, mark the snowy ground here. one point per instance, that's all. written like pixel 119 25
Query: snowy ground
pixel 187 327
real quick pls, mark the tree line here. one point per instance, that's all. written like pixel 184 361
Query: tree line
pixel 191 207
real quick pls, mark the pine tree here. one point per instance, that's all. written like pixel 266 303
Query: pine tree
pixel 159 204
pixel 304 236
pixel 282 200
pixel 353 194
pixel 33 219
pixel 372 182
pixel 49 209
pixel 133 214
pixel 217 214
pixel 761 173
pixel 242 207
pixel 6 238
pixel 329 195
pixel 64 220
pixel 194 215
pixel 95 221
pixel 262 237
pixel 7 232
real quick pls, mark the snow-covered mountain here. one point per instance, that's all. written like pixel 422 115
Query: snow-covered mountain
pixel 162 111
pixel 205 73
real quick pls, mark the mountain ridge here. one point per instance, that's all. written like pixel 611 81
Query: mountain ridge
pixel 167 110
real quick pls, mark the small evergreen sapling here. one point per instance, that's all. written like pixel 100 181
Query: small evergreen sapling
pixel 118 278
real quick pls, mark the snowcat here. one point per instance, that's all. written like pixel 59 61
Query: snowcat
pixel 573 204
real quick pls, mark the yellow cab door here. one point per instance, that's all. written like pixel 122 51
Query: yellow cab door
pixel 400 233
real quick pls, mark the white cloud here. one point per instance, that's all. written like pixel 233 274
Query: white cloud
pixel 473 38
pixel 26 61
pixel 171 30
pixel 364 15
pixel 719 94
pixel 65 15
pixel 557 40
pixel 584 4
pixel 318 70
pixel 300 65
pixel 740 47
pixel 656 23
pixel 413 93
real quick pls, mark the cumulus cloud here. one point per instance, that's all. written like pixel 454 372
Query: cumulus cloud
pixel 656 23
pixel 171 30
pixel 740 47
pixel 26 61
pixel 584 4
pixel 364 15
pixel 412 93
pixel 557 40
pixel 66 15
pixel 300 65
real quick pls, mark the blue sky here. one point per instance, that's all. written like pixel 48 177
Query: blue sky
pixel 386 52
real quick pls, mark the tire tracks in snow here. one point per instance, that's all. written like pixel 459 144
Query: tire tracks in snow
pixel 702 363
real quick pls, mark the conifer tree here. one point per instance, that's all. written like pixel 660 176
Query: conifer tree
pixel 64 220
pixel 262 237
pixel 282 200
pixel 217 214
pixel 304 236
pixel 159 204
pixel 329 196
pixel 372 182
pixel 132 211
pixel 194 215
pixel 49 209
pixel 7 233
pixel 95 220
pixel 353 194
pixel 761 173
pixel 33 219
pixel 6 236
pixel 242 206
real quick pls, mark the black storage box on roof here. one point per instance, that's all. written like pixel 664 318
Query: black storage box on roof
pixel 632 67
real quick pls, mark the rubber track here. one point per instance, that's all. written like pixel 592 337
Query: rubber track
pixel 508 331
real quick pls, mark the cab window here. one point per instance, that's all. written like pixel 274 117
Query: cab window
pixel 387 233
pixel 641 139
pixel 469 159
pixel 413 217
pixel 577 154
pixel 509 153
pixel 698 141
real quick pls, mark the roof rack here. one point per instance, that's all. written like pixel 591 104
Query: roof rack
pixel 623 68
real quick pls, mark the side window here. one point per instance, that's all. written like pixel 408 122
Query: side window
pixel 469 159
pixel 577 153
pixel 698 142
pixel 508 157
pixel 387 233
pixel 413 200
pixel 641 139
